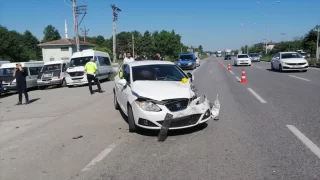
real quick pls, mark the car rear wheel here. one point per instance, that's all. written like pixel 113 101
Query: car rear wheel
pixel 132 125
pixel 304 70
pixel 115 101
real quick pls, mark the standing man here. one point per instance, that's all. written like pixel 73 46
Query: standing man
pixel 20 76
pixel 91 69
pixel 128 58
pixel 159 57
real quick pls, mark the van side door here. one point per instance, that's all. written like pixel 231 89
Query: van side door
pixel 33 74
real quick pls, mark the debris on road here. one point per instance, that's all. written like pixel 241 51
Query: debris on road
pixel 77 137
pixel 164 128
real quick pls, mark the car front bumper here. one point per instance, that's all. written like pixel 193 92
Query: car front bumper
pixel 195 114
pixel 76 81
pixel 286 67
pixel 49 83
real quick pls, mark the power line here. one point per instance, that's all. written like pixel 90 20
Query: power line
pixel 77 10
pixel 85 33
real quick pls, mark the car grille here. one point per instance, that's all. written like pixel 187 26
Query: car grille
pixel 78 73
pixel 296 63
pixel 184 121
pixel 177 104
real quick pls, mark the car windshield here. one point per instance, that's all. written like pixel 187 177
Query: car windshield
pixel 159 72
pixel 290 55
pixel 186 57
pixel 242 56
pixel 6 71
pixel 51 67
pixel 80 61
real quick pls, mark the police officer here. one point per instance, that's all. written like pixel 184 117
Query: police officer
pixel 20 76
pixel 91 69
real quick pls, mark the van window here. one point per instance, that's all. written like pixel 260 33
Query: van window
pixel 64 67
pixel 33 71
pixel 104 61
pixel 80 61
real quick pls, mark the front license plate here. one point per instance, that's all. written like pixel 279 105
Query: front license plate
pixel 296 66
pixel 76 81
pixel 47 82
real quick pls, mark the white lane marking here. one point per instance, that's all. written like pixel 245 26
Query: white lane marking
pixel 238 78
pixel 101 156
pixel 299 78
pixel 306 141
pixel 231 72
pixel 257 96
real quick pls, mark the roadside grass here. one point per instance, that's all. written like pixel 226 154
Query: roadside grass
pixel 203 56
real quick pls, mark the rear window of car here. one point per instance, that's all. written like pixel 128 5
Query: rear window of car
pixel 242 56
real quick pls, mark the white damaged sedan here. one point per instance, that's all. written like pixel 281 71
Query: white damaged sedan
pixel 147 91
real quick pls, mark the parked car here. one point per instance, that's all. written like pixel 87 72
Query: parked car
pixel 227 57
pixel 197 61
pixel 75 73
pixel 187 61
pixel 242 59
pixel 255 57
pixel 289 61
pixel 146 91
pixel 53 73
pixel 31 69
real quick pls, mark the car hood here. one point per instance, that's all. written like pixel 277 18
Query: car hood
pixel 161 90
pixel 75 69
pixel 294 60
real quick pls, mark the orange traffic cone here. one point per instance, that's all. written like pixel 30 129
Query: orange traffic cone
pixel 229 67
pixel 243 77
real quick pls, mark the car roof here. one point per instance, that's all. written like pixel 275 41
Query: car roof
pixel 148 62
pixel 242 54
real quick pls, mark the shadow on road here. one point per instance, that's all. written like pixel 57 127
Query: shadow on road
pixel 283 71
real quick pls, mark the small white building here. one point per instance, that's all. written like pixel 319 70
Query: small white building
pixel 61 49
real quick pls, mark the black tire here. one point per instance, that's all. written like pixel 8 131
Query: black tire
pixel 41 87
pixel 272 68
pixel 64 83
pixel 304 70
pixel 115 101
pixel 280 68
pixel 132 125
pixel 70 86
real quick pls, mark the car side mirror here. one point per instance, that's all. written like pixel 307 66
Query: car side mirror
pixel 190 76
pixel 277 58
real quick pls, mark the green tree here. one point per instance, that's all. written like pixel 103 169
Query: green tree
pixel 200 49
pixel 309 42
pixel 32 50
pixel 50 34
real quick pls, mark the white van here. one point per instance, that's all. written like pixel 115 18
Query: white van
pixel 4 62
pixel 75 72
pixel 31 68
pixel 53 73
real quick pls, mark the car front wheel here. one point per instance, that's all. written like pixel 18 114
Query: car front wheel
pixel 272 68
pixel 132 125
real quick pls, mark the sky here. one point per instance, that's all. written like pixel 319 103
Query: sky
pixel 214 24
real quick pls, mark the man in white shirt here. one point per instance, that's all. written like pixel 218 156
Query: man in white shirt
pixel 128 58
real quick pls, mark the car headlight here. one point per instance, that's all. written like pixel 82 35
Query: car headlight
pixel 148 106
pixel 179 63
pixel 189 63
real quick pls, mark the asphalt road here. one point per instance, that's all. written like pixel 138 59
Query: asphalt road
pixel 268 129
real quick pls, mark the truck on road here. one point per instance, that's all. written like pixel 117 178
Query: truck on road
pixel 219 53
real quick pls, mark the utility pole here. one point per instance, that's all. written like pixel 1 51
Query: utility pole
pixel 266 37
pixel 318 34
pixel 132 45
pixel 85 33
pixel 77 10
pixel 115 10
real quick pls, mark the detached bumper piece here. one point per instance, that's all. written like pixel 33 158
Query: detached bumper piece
pixel 183 121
